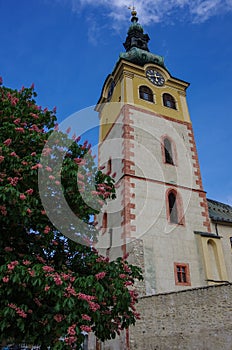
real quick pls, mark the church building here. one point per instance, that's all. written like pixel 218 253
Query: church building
pixel 161 216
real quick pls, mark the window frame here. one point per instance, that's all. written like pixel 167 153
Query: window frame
pixel 104 222
pixel 179 281
pixel 173 151
pixel 168 98
pixel 179 208
pixel 149 92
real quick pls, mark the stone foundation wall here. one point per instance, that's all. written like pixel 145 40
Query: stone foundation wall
pixel 196 319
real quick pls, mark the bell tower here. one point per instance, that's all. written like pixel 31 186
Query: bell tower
pixel 160 216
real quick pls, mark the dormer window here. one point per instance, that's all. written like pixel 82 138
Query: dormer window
pixel 169 101
pixel 146 93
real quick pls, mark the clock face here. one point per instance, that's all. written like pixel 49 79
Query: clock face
pixel 155 77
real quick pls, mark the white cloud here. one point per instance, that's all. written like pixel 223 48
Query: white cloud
pixel 159 10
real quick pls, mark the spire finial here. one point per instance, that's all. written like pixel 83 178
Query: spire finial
pixel 133 13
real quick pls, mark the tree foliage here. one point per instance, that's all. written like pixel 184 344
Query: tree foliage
pixel 51 286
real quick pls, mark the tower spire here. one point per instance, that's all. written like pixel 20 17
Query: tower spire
pixel 134 19
pixel 135 35
pixel 136 44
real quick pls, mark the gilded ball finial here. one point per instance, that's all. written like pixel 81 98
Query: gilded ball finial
pixel 133 14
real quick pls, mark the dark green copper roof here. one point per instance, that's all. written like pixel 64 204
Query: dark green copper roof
pixel 141 57
pixel 219 212
pixel 136 45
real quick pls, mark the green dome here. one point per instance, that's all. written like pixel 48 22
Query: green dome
pixel 135 26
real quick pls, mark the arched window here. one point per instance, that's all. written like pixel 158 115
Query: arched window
pixel 146 93
pixel 168 153
pixel 109 166
pixel 213 257
pixel 174 207
pixel 104 223
pixel 169 101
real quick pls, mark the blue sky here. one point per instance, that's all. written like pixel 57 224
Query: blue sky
pixel 68 47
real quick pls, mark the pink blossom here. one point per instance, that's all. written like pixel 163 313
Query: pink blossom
pixel 100 275
pixel 8 249
pixel 37 166
pixel 31 272
pixel 128 283
pixel 125 256
pixel 6 279
pixel 68 130
pixel 85 297
pixel 58 317
pixel 70 291
pixel 12 306
pixel 57 183
pixel 95 193
pixel 2 159
pixel 51 177
pixel 7 142
pixel 46 288
pixel 24 162
pixel 58 281
pixel 80 176
pixel 43 212
pixel 86 317
pixel 13 181
pixel 14 101
pixel 21 313
pixel 22 196
pixel 123 276
pixel 37 301
pixel 13 154
pixel 12 265
pixel 54 109
pixel 71 330
pixel 17 121
pixel 3 210
pixel 47 229
pixel 79 161
pixel 33 154
pixel 126 268
pixel 30 191
pixel 48 168
pixel 32 86
pixel 35 116
pixel 102 259
pixel 35 128
pixel 26 262
pixel 20 130
pixel 94 306
pixel 70 340
pixel 39 258
pixel 48 268
pixel 85 328
pixel 29 211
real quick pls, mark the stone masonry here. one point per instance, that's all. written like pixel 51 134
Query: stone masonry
pixel 194 319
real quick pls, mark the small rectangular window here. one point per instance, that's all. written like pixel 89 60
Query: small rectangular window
pixel 182 275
